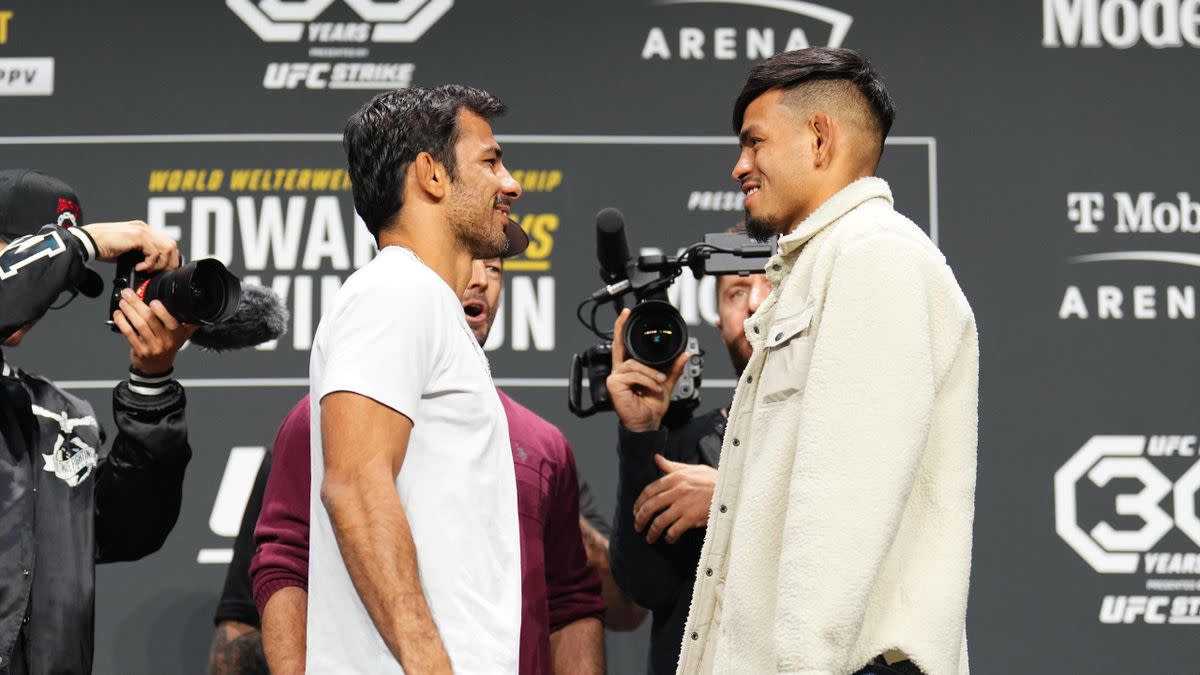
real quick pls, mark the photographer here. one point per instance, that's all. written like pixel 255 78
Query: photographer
pixel 65 503
pixel 667 476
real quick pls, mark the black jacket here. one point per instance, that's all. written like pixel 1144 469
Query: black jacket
pixel 65 503
pixel 660 576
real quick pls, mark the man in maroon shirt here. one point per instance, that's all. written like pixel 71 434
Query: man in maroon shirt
pixel 561 603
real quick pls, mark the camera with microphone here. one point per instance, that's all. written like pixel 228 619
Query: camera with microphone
pixel 204 292
pixel 654 333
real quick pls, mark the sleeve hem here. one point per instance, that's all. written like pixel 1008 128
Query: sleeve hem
pixel 263 591
pixel 89 245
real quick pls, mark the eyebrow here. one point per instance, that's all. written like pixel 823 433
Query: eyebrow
pixel 496 149
pixel 745 135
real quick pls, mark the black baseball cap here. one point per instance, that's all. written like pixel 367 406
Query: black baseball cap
pixel 30 200
pixel 518 241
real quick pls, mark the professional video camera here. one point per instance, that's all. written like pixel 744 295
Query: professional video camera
pixel 655 333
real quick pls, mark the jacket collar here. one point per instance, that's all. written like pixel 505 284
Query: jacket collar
pixel 833 208
pixel 5 369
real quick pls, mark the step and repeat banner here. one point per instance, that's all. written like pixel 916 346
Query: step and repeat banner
pixel 1048 147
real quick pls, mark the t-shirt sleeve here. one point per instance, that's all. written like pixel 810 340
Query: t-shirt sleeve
pixel 385 341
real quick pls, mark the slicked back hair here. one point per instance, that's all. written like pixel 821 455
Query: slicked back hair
pixel 383 138
pixel 790 70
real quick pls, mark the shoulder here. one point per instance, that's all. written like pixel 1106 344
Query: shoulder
pixel 394 277
pixel 532 431
pixel 48 395
pixel 298 417
pixel 874 228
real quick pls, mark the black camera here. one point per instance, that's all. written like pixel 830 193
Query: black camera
pixel 202 292
pixel 655 333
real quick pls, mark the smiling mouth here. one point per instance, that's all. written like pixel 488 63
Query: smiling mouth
pixel 752 191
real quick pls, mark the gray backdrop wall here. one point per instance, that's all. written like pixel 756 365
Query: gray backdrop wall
pixel 1048 146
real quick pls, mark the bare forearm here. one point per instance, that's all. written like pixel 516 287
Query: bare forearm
pixel 237 649
pixel 622 613
pixel 376 543
pixel 578 648
pixel 285 630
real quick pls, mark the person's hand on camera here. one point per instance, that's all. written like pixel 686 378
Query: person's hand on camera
pixel 675 503
pixel 154 335
pixel 640 394
pixel 113 239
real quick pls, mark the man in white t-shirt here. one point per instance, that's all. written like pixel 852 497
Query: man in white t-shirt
pixel 415 562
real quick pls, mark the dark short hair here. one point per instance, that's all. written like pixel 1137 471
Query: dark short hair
pixel 790 70
pixel 383 138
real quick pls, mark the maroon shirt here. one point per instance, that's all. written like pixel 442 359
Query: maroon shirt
pixel 557 585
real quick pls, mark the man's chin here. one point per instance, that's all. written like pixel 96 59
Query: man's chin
pixel 761 229
pixel 487 245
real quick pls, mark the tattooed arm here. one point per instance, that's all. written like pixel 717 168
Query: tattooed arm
pixel 236 650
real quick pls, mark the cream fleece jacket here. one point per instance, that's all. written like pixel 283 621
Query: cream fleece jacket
pixel 841 522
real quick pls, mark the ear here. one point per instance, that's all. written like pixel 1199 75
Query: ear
pixel 824 132
pixel 431 176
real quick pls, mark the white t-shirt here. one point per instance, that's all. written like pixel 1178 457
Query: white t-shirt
pixel 397 334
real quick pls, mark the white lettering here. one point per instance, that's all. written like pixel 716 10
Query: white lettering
pixel 302 314
pixel 157 209
pixel 656 45
pixel 1143 302
pixel 266 234
pixel 725 44
pixel 796 40
pixel 1181 302
pixel 1120 23
pixel 691 43
pixel 760 42
pixel 217 211
pixel 327 236
pixel 533 314
pixel 1072 304
pixel 1134 217
pixel 1108 302
pixel 1085 209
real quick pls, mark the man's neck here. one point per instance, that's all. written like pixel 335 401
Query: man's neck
pixel 831 188
pixel 437 248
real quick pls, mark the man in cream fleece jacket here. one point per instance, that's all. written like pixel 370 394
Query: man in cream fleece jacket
pixel 839 539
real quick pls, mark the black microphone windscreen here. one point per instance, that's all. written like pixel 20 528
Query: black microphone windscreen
pixel 612 249
pixel 260 317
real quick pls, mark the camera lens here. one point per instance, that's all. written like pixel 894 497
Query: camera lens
pixel 206 296
pixel 200 292
pixel 655 334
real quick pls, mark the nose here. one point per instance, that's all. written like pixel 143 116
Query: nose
pixel 743 166
pixel 509 186
pixel 759 291
pixel 479 276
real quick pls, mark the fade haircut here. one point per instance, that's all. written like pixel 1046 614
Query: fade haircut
pixel 383 138
pixel 842 75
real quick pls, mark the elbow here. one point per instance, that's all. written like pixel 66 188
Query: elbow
pixel 335 489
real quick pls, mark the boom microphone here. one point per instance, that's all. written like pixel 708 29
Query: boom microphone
pixel 612 249
pixel 260 317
